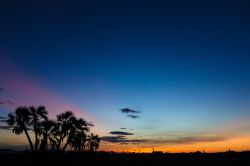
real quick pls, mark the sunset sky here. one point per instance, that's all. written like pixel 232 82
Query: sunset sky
pixel 181 69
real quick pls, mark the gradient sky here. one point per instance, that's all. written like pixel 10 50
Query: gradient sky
pixel 184 65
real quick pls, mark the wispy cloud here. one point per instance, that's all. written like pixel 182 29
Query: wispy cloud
pixel 180 140
pixel 114 139
pixel 5 127
pixel 3 119
pixel 121 139
pixel 123 143
pixel 120 133
pixel 123 128
pixel 128 110
pixel 188 140
pixel 7 102
pixel 14 147
pixel 133 116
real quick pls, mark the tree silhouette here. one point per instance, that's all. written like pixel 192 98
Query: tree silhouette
pixel 20 122
pixel 78 141
pixel 38 115
pixel 46 132
pixel 77 128
pixel 66 129
pixel 63 125
pixel 93 142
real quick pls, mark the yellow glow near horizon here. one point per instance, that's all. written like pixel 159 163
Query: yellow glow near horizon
pixel 240 143
pixel 235 144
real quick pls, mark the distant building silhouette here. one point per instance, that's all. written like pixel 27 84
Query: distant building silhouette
pixel 157 152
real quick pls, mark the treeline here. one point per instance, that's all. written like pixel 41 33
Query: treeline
pixel 64 132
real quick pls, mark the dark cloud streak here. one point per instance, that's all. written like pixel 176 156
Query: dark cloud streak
pixel 121 139
pixel 133 116
pixel 5 127
pixel 120 133
pixel 186 140
pixel 128 110
pixel 180 140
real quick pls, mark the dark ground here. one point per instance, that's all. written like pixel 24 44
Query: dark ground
pixel 112 159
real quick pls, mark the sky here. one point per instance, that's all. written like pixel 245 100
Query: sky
pixel 169 75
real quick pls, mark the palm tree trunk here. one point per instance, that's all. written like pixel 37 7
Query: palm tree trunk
pixel 30 142
pixel 36 139
pixel 59 143
pixel 65 146
pixel 46 140
pixel 67 143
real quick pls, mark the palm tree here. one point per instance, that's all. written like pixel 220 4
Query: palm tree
pixel 20 122
pixel 47 128
pixel 93 142
pixel 69 128
pixel 38 114
pixel 62 128
pixel 77 129
pixel 66 127
pixel 78 141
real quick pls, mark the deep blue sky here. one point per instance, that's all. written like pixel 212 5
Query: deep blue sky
pixel 183 64
pixel 131 41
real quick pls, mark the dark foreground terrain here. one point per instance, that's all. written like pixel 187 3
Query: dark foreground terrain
pixel 132 159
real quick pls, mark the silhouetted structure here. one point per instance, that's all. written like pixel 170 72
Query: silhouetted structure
pixel 157 152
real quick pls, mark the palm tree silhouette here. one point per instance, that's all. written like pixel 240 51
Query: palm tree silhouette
pixel 20 122
pixel 66 127
pixel 93 142
pixel 62 127
pixel 77 127
pixel 47 128
pixel 38 114
pixel 78 141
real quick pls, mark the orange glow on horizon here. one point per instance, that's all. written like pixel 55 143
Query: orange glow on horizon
pixel 235 144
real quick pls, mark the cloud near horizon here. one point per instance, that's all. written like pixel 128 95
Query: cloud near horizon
pixel 121 139
pixel 191 140
pixel 180 140
pixel 120 133
pixel 5 128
